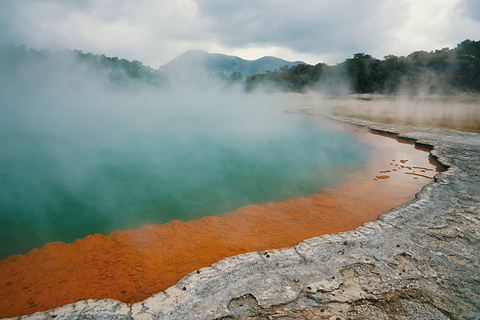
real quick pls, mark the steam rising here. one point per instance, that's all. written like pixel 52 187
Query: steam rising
pixel 81 154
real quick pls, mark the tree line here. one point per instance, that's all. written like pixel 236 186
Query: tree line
pixel 442 71
pixel 119 71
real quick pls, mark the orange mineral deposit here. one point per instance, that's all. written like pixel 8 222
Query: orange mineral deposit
pixel 131 265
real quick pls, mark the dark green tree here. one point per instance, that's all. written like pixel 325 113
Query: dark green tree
pixel 365 73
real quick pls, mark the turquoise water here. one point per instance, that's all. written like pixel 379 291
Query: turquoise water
pixel 65 174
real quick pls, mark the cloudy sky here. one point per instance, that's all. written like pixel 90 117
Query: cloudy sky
pixel 156 31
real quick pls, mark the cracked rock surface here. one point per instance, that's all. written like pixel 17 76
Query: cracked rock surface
pixel 417 261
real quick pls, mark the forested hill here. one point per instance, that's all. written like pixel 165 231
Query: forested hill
pixel 46 64
pixel 442 71
pixel 190 64
pixel 215 63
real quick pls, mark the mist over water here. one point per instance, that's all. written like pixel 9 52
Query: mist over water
pixel 81 156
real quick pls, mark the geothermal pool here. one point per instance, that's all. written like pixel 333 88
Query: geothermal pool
pixel 64 181
pixel 131 265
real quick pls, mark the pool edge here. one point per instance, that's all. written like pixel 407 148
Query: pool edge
pixel 396 258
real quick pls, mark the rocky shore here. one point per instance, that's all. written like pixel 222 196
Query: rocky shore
pixel 417 261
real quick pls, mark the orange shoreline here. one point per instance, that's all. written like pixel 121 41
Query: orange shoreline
pixel 131 265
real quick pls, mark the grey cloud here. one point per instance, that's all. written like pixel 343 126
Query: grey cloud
pixel 158 30
pixel 305 26
pixel 473 9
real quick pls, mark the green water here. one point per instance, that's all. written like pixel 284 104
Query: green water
pixel 66 176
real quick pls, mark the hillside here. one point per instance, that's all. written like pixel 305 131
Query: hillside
pixel 441 72
pixel 198 61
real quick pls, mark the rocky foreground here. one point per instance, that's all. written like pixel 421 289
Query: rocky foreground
pixel 420 260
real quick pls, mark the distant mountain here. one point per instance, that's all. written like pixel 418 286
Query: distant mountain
pixel 198 61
